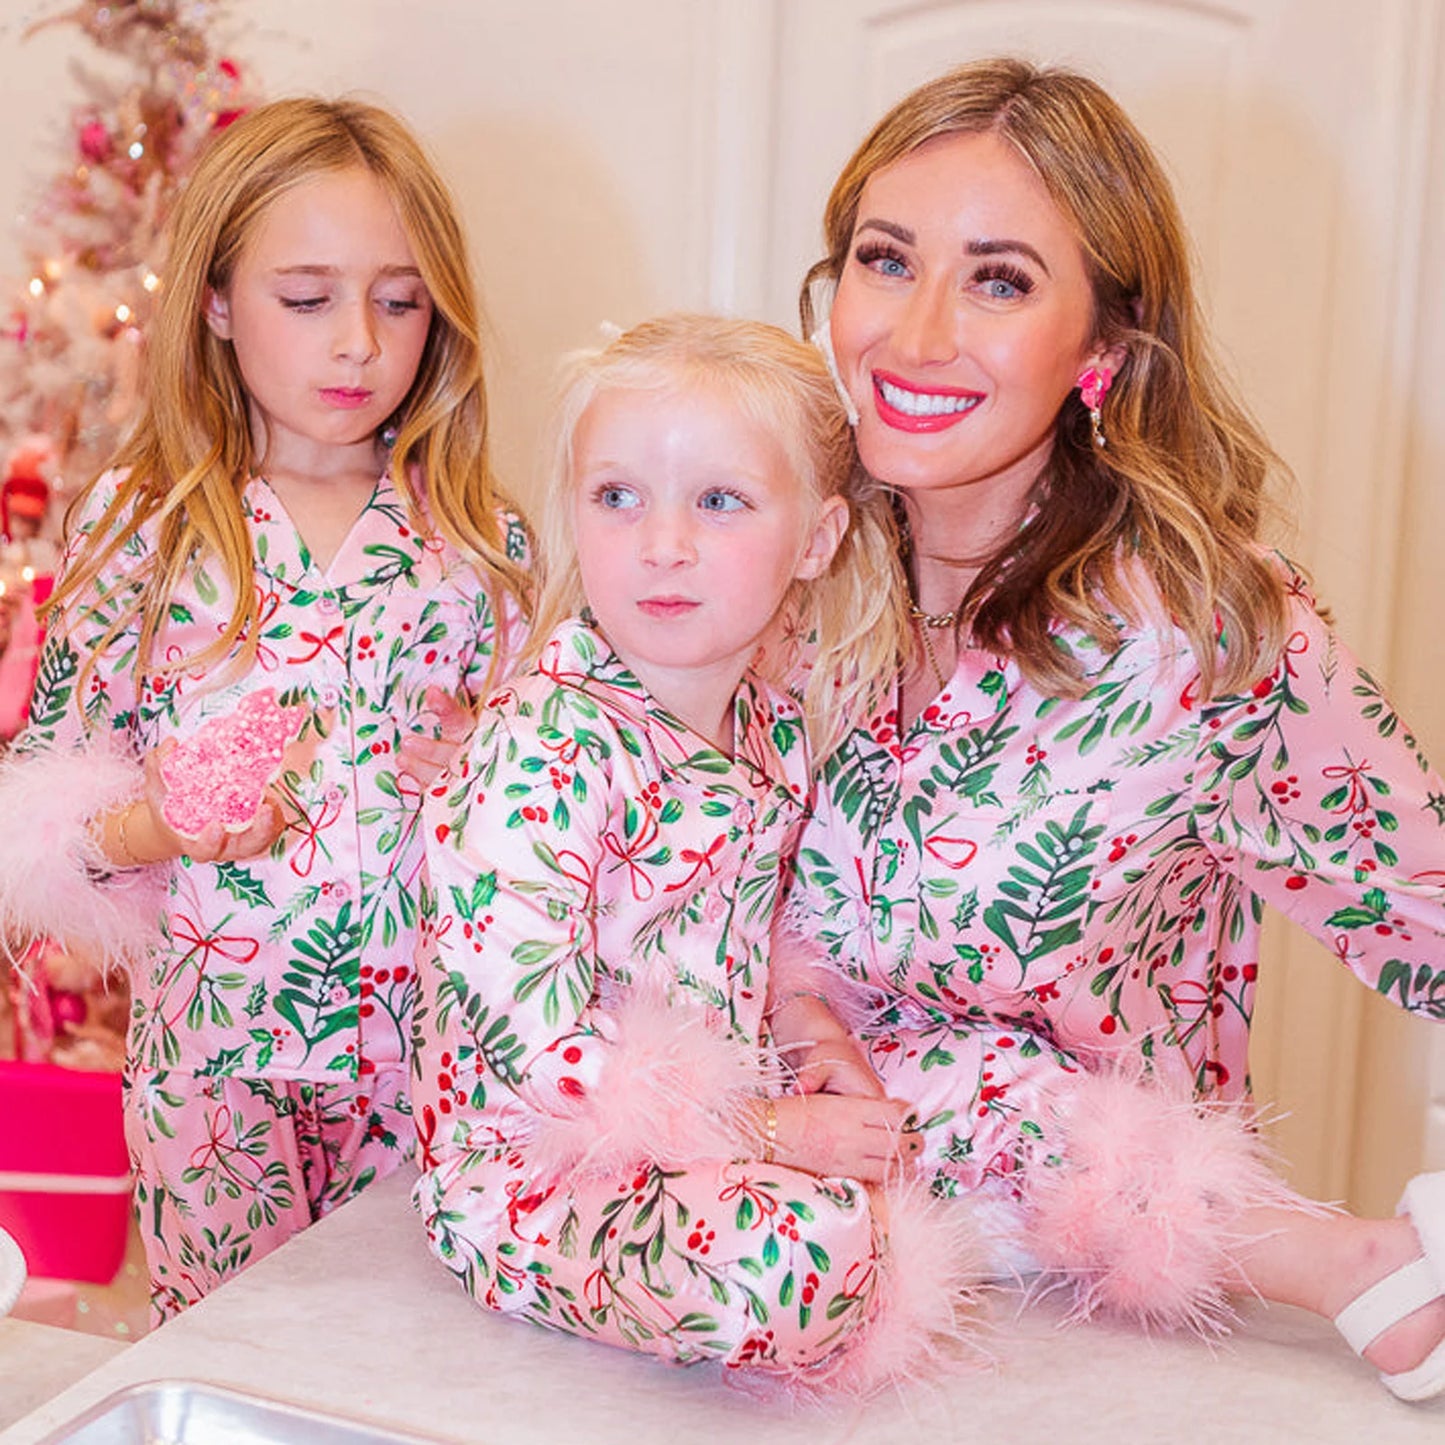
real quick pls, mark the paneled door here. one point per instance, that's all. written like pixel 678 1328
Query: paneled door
pixel 1299 136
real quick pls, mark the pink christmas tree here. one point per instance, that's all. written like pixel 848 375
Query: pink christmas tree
pixel 71 336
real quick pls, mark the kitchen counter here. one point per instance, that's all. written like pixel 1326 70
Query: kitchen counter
pixel 38 1361
pixel 356 1318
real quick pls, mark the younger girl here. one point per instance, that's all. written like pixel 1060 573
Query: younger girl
pixel 305 506
pixel 598 1151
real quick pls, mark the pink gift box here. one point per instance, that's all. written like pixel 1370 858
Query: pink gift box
pixel 64 1174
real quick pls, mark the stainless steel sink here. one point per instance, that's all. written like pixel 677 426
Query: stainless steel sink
pixel 182 1412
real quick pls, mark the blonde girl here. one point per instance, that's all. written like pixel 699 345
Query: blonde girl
pixel 602 1148
pixel 305 506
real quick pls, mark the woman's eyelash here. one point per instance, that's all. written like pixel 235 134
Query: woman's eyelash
pixel 1002 271
pixel 872 251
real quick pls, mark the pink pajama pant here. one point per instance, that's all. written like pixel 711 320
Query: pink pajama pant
pixel 228 1169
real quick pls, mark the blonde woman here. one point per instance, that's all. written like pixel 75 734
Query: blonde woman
pixel 305 514
pixel 1121 731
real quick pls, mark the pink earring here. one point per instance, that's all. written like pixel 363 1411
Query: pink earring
pixel 1093 387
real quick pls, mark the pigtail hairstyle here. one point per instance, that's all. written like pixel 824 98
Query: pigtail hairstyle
pixel 1180 487
pixel 852 616
pixel 191 453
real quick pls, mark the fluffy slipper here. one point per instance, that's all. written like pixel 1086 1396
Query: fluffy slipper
pixel 1408 1289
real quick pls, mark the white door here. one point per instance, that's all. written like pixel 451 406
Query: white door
pixel 1298 134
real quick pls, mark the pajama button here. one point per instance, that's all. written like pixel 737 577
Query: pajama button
pixel 327 604
pixel 328 696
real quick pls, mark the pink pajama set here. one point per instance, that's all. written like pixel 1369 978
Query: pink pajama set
pixel 1020 896
pixel 267 1060
pixel 590 1031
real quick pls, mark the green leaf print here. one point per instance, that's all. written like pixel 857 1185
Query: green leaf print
pixel 1044 902
pixel 53 686
pixel 242 885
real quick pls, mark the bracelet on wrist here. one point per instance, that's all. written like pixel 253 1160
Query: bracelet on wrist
pixel 770 1131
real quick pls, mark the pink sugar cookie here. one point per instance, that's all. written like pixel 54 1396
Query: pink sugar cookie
pixel 219 775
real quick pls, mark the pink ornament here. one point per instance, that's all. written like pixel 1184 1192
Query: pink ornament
pixel 95 142
pixel 220 774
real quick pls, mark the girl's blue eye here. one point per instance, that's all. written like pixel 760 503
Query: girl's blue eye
pixel 303 303
pixel 399 305
pixel 616 498
pixel 721 501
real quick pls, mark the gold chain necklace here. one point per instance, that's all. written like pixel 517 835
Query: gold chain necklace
pixel 932 622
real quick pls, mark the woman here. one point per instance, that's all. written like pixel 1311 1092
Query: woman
pixel 1125 728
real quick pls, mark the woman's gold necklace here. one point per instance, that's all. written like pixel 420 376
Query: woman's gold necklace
pixel 932 622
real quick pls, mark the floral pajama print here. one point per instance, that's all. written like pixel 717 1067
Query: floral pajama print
pixel 291 974
pixel 1083 881
pixel 227 1169
pixel 587 846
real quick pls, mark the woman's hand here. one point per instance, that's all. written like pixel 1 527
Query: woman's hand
pixel 832 1134
pixel 422 756
pixel 823 1054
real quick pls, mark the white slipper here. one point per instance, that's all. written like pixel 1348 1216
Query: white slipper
pixel 1410 1287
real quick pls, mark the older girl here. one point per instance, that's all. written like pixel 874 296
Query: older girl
pixel 305 507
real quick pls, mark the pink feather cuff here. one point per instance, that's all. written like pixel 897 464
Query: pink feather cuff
pixel 1135 1200
pixel 672 1089
pixel 54 880
pixel 924 1325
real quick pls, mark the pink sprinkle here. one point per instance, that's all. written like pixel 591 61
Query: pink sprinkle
pixel 220 774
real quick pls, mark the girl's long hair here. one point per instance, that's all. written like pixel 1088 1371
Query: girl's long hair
pixel 1180 487
pixel 853 616
pixel 191 453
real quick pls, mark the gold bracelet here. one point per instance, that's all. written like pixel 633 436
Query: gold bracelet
pixel 128 858
pixel 770 1131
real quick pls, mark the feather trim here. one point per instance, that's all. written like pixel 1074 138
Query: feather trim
pixel 798 966
pixel 54 880
pixel 1135 1196
pixel 924 1325
pixel 673 1089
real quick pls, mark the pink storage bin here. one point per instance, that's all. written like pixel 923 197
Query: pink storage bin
pixel 64 1174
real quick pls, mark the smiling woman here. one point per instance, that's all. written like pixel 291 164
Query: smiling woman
pixel 1123 729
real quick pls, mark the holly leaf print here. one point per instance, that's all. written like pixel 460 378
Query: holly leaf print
pixel 242 885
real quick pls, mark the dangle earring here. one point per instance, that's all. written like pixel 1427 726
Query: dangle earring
pixel 1093 387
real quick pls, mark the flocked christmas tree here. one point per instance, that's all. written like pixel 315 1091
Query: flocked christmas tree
pixel 71 337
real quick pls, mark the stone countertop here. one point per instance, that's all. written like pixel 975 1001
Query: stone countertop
pixel 38 1361
pixel 356 1318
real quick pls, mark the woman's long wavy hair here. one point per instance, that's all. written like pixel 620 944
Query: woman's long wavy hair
pixel 854 612
pixel 192 452
pixel 1181 485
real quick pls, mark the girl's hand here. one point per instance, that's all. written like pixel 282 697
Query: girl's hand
pixel 150 839
pixel 421 756
pixel 836 1066
pixel 831 1134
